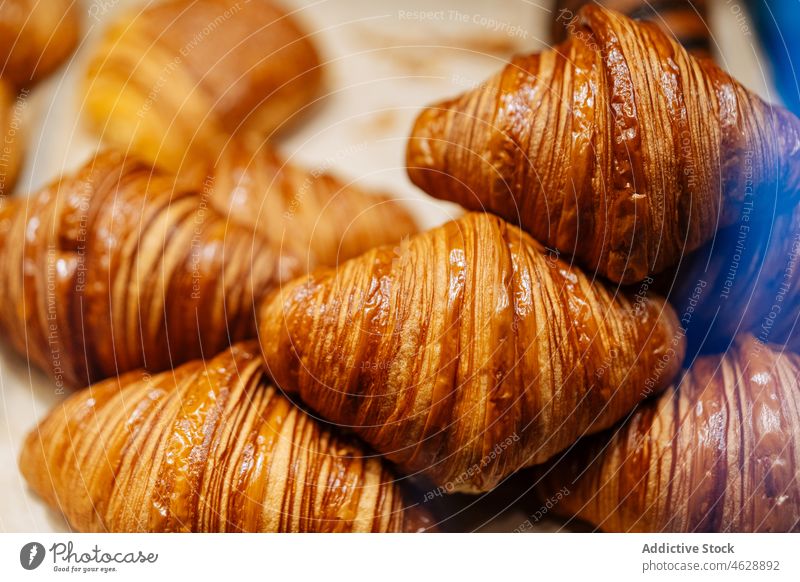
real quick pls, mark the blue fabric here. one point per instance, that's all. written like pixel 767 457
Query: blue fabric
pixel 778 26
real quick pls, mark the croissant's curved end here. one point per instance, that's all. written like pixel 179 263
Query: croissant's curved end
pixel 426 146
pixel 208 447
pixel 720 451
pixel 616 147
pixel 468 352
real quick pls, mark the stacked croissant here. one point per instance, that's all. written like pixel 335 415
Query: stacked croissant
pixel 268 348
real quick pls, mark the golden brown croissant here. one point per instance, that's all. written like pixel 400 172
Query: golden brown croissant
pixel 746 279
pixel 685 20
pixel 36 37
pixel 175 80
pixel 616 146
pixel 208 447
pixel 467 352
pixel 10 146
pixel 118 267
pixel 312 213
pixel 720 451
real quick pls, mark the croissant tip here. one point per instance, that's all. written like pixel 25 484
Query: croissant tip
pixel 31 461
pixel 420 157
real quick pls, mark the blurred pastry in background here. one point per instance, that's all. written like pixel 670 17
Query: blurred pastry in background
pixel 36 37
pixel 10 138
pixel 174 81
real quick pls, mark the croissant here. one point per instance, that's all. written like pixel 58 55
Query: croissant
pixel 313 214
pixel 173 81
pixel 120 267
pixel 10 147
pixel 616 147
pixel 746 279
pixel 685 20
pixel 468 351
pixel 208 447
pixel 719 451
pixel 36 37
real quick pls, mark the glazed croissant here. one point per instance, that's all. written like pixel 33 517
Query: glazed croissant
pixel 175 80
pixel 616 147
pixel 685 20
pixel 313 214
pixel 10 146
pixel 119 267
pixel 720 451
pixel 36 37
pixel 208 447
pixel 746 279
pixel 467 352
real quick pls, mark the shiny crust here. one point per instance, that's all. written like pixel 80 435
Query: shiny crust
pixel 36 37
pixel 616 146
pixel 467 338
pixel 315 215
pixel 718 452
pixel 208 447
pixel 117 267
pixel 685 20
pixel 10 140
pixel 124 268
pixel 176 79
